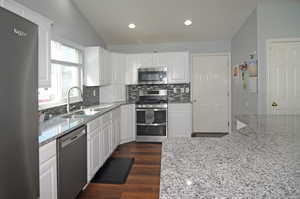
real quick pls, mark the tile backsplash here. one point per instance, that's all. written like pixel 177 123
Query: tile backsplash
pixel 177 93
pixel 90 98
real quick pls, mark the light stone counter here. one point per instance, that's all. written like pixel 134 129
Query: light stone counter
pixel 261 161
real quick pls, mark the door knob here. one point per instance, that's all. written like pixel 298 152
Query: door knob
pixel 274 104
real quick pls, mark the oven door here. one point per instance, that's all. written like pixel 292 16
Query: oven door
pixel 151 122
pixel 152 77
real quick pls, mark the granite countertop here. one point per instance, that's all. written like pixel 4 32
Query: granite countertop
pixel 59 126
pixel 260 161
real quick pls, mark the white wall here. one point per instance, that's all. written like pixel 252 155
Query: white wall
pixel 276 19
pixel 243 44
pixel 193 47
pixel 69 23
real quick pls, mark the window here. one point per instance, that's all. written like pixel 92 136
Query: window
pixel 66 72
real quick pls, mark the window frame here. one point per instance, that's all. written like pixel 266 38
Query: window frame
pixel 80 66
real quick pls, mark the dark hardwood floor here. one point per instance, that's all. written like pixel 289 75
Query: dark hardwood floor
pixel 143 180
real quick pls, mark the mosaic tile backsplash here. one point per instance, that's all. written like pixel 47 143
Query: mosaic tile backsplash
pixel 177 93
pixel 90 98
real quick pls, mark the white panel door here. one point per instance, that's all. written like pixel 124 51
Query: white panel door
pixel 283 78
pixel 210 93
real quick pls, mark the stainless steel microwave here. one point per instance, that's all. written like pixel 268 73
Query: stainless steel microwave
pixel 153 75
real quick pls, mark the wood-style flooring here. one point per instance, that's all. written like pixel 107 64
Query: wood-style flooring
pixel 143 180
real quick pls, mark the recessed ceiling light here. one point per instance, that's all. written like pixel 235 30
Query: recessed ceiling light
pixel 132 26
pixel 188 22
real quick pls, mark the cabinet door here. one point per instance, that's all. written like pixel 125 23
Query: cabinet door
pixel 44 38
pixel 105 131
pixel 124 123
pixel 132 122
pixel 132 65
pixel 93 153
pixel 145 60
pixel 93 58
pixel 118 64
pixel 48 179
pixel 128 123
pixel 106 68
pixel 116 127
pixel 44 55
pixel 179 68
pixel 179 120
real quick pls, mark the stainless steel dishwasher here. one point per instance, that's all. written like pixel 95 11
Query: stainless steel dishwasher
pixel 72 163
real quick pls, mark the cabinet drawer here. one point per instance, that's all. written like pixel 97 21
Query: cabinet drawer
pixel 93 125
pixel 106 118
pixel 47 151
pixel 116 113
pixel 181 107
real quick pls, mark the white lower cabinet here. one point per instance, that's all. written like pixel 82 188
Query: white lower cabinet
pixel 93 152
pixel 116 115
pixel 128 123
pixel 103 137
pixel 179 120
pixel 48 171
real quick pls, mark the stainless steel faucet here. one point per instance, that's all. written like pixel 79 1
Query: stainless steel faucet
pixel 68 96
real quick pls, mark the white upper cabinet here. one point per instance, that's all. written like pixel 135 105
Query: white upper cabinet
pixel 44 26
pixel 132 64
pixel 106 69
pixel 118 65
pixel 97 70
pixel 176 62
pixel 145 60
pixel 93 57
pixel 44 48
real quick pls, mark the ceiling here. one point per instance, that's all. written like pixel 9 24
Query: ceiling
pixel 162 21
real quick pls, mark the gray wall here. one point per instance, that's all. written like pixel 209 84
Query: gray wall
pixel 276 19
pixel 243 44
pixel 69 23
pixel 193 47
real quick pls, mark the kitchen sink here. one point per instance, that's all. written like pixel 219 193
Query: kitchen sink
pixel 81 113
pixel 101 107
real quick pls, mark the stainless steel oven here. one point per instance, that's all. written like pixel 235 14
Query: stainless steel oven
pixel 151 116
pixel 152 75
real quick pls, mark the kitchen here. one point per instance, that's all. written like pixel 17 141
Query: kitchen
pixel 147 105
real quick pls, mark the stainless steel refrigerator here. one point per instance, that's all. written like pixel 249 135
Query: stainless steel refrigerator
pixel 19 160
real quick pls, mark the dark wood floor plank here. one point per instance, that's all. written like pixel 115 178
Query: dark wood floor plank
pixel 143 180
